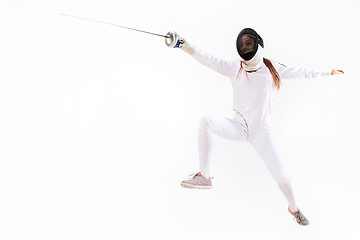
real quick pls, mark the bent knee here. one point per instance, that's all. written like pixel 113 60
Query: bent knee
pixel 205 124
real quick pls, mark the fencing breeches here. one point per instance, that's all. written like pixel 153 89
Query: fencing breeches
pixel 263 143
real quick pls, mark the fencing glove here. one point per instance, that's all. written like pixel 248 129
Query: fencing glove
pixel 173 40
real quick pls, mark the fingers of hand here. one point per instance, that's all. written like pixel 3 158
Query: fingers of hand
pixel 337 71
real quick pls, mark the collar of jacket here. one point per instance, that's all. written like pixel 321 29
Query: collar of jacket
pixel 255 63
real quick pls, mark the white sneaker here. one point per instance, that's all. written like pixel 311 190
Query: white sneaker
pixel 299 217
pixel 197 181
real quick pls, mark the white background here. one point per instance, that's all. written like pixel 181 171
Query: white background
pixel 98 125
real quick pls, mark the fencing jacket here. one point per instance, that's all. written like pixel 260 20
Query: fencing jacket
pixel 253 92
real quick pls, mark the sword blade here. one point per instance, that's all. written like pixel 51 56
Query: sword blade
pixel 112 24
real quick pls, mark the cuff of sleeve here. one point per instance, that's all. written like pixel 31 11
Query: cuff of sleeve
pixel 325 74
pixel 186 47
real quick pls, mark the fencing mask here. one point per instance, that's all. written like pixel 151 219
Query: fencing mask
pixel 248 38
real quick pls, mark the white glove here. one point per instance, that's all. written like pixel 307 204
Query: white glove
pixel 175 41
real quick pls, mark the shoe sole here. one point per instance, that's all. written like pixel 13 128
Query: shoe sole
pixel 188 185
pixel 302 224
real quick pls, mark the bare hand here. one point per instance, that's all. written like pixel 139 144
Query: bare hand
pixel 336 71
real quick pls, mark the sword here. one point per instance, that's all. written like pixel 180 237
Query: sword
pixel 112 24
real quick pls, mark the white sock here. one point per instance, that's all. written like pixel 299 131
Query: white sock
pixel 286 188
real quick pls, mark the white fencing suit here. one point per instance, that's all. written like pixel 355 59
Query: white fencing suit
pixel 253 93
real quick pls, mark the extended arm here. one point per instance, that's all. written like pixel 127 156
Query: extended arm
pixel 221 66
pixel 301 72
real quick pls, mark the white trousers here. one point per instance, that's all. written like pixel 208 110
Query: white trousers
pixel 263 143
